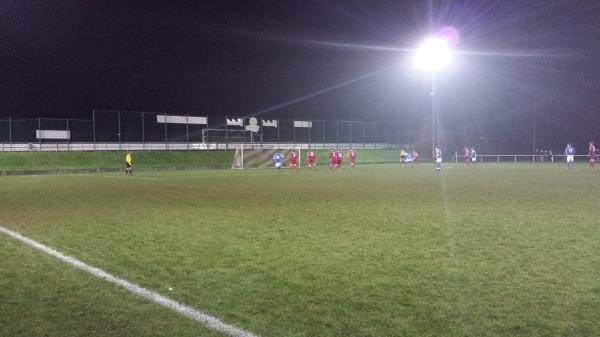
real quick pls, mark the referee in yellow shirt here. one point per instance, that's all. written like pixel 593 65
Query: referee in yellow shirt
pixel 403 155
pixel 128 164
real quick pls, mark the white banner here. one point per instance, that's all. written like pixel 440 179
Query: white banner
pixel 181 119
pixel 270 123
pixel 252 125
pixel 235 121
pixel 52 134
pixel 303 124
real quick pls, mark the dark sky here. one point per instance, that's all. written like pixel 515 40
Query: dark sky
pixel 65 58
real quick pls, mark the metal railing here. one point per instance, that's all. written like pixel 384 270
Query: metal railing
pixel 519 158
pixel 178 146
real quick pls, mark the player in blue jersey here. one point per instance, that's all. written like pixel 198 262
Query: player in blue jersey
pixel 473 155
pixel 277 159
pixel 570 153
pixel 438 158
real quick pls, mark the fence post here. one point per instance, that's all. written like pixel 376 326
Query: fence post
pixel 323 139
pixel 187 131
pixel 363 132
pixel 40 128
pixel 143 134
pixel 515 158
pixel 309 134
pixel 68 139
pixel 387 135
pixel 351 139
pixel 119 123
pixel 376 140
pixel 337 133
pixel 10 133
pixel 166 137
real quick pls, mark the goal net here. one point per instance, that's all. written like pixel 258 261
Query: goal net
pixel 263 158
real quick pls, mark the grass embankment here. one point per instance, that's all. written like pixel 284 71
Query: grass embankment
pixel 61 162
pixel 55 162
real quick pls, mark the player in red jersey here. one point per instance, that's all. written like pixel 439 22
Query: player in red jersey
pixel 592 155
pixel 415 156
pixel 352 157
pixel 466 155
pixel 332 158
pixel 294 159
pixel 312 158
pixel 339 157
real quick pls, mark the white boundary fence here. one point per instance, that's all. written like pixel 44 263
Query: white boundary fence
pixel 519 158
pixel 79 147
pixel 116 126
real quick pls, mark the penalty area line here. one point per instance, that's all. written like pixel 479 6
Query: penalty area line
pixel 184 310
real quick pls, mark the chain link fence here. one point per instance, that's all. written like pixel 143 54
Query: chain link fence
pixel 120 127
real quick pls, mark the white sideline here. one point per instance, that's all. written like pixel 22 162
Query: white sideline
pixel 210 321
pixel 115 177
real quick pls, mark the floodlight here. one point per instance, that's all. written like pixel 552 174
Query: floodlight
pixel 433 54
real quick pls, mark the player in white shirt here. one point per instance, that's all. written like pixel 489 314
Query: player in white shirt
pixel 473 155
pixel 438 158
pixel 570 153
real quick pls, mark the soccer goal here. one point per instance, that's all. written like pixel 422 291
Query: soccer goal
pixel 262 158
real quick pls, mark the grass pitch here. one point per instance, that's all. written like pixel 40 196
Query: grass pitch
pixel 510 250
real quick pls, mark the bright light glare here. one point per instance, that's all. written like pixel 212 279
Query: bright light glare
pixel 433 54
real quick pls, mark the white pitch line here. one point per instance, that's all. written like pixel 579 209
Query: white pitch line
pixel 184 310
pixel 115 177
pixel 164 178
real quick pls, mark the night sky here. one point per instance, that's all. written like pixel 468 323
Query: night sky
pixel 238 58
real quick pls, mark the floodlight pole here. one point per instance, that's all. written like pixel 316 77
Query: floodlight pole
pixel 534 111
pixel 94 127
pixel 433 116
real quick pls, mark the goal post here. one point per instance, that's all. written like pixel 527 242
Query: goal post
pixel 238 158
pixel 248 157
